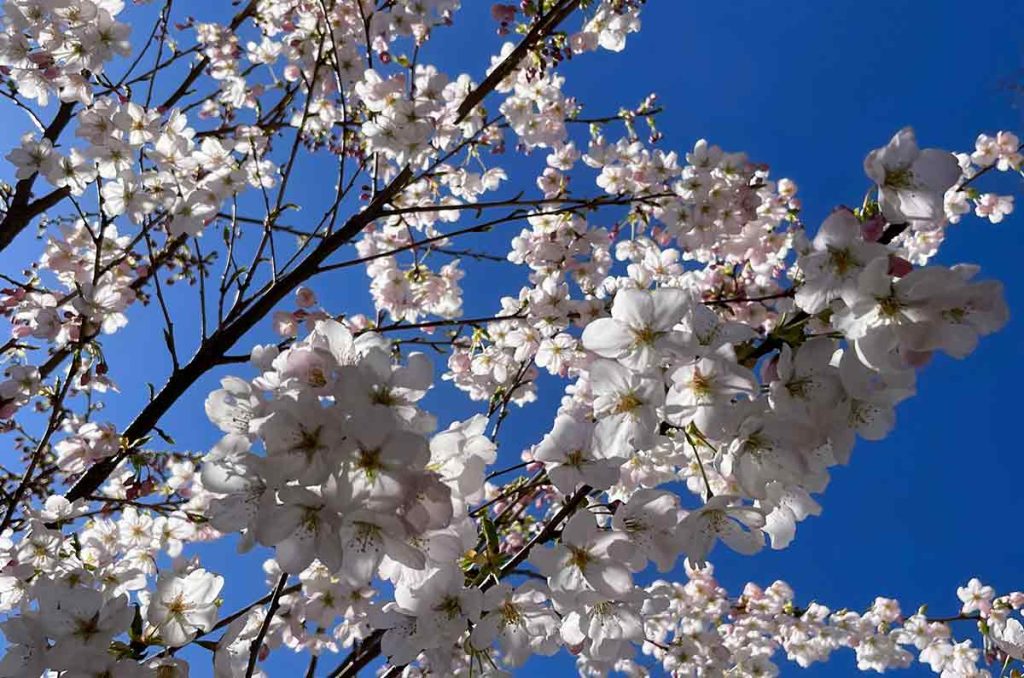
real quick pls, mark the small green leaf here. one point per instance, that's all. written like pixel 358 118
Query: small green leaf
pixel 491 534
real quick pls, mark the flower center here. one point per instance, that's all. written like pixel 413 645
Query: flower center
pixel 369 463
pixel 510 614
pixel 574 458
pixel 628 402
pixel 579 558
pixel 889 307
pixel 841 261
pixel 645 336
pixel 178 606
pixel 701 385
pixel 899 178
pixel 383 396
pixel 449 606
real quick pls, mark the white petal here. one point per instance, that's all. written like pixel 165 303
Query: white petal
pixel 607 337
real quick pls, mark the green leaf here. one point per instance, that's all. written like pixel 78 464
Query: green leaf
pixel 164 436
pixel 491 534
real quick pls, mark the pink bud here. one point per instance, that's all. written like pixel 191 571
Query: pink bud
pixel 770 370
pixel 917 359
pixel 873 228
pixel 285 324
pixel 502 13
pixel 358 322
pixel 146 487
pixel 898 266
pixel 305 297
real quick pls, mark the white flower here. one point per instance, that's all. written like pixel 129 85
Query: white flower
pixel 27 649
pixel 703 390
pixel 1009 637
pixel 868 409
pixel 462 453
pixel 231 655
pixel 80 620
pixel 975 596
pixel 32 157
pixel 444 602
pixel 706 332
pixel 233 406
pixel 640 332
pixel 568 456
pixel 831 270
pixel 738 526
pixel 994 207
pixel 625 404
pixel 182 606
pixel 610 627
pixel 807 383
pixel 648 520
pixel 784 507
pixel 770 448
pixel 300 528
pixel 931 308
pixel 583 560
pixel 1003 150
pixel 911 182
pixel 376 382
pixel 520 620
pixel 229 469
pixel 382 458
pixel 302 438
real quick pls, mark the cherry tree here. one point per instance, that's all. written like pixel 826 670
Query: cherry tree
pixel 717 355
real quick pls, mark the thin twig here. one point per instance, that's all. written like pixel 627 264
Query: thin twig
pixel 257 642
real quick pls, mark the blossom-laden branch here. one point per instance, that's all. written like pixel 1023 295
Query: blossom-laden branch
pixel 225 337
pixel 704 338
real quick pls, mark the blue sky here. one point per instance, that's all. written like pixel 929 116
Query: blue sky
pixel 808 87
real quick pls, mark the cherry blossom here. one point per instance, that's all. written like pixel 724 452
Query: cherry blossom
pixel 716 357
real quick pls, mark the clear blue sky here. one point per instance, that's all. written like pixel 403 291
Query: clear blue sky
pixel 808 87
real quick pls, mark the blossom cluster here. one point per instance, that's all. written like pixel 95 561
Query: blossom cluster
pixel 717 357
pixel 48 48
